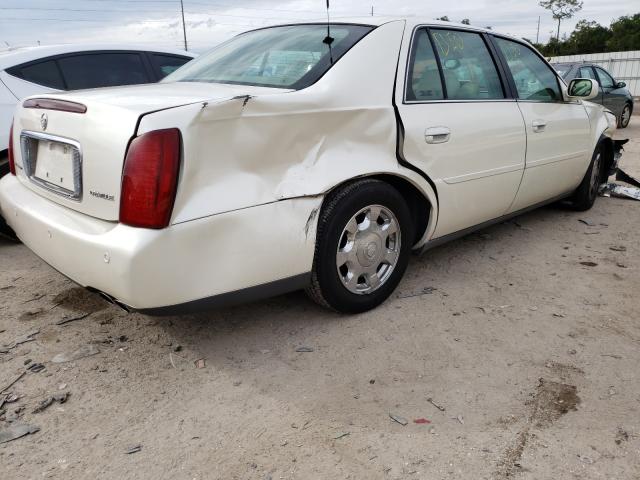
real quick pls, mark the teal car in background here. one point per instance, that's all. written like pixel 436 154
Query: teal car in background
pixel 614 95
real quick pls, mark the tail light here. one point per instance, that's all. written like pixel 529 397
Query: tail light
pixel 12 162
pixel 150 179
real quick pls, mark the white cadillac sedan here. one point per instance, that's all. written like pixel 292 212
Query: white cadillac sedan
pixel 299 156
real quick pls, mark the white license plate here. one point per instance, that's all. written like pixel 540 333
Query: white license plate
pixel 55 164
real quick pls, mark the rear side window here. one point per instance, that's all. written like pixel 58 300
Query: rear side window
pixel 466 67
pixel 534 79
pixel 469 71
pixel 103 70
pixel 166 64
pixel 586 72
pixel 44 73
pixel 424 82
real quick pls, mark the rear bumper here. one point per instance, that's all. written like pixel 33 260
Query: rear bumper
pixel 177 269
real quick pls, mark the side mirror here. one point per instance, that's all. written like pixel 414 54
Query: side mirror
pixel 621 85
pixel 583 88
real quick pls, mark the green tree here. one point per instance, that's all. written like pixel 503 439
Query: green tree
pixel 561 9
pixel 625 34
pixel 589 37
pixel 466 21
pixel 444 19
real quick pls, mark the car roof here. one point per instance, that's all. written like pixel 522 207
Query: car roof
pixel 16 56
pixel 377 21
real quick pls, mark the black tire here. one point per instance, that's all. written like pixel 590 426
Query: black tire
pixel 340 206
pixel 625 116
pixel 5 230
pixel 585 195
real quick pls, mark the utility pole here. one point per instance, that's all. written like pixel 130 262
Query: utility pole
pixel 184 27
pixel 538 32
pixel 372 10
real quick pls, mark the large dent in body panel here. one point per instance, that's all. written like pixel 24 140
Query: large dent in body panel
pixel 245 151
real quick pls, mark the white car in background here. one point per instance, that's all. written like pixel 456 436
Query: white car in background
pixel 299 156
pixel 35 70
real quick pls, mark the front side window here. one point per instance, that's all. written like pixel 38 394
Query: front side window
pixel 102 70
pixel 605 79
pixel 283 57
pixel 534 79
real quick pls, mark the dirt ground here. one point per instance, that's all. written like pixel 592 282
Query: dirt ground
pixel 518 360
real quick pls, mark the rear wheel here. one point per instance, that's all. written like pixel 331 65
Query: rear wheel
pixel 364 240
pixel 625 116
pixel 585 196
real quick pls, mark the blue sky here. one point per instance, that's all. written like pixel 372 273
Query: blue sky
pixel 158 22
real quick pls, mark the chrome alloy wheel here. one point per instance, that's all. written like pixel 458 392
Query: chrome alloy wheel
pixel 368 249
pixel 625 116
pixel 595 176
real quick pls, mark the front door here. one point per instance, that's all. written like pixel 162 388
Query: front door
pixel 460 127
pixel 614 98
pixel 557 131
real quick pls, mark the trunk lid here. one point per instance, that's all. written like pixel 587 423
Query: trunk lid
pixel 76 159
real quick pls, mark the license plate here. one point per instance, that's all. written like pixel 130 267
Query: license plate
pixel 53 163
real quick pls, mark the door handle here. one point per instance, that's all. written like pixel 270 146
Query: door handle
pixel 437 135
pixel 538 125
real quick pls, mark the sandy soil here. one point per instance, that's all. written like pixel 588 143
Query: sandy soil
pixel 528 342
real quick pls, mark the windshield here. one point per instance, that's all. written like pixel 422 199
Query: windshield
pixel 293 56
pixel 562 70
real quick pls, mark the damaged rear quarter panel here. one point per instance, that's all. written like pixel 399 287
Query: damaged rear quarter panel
pixel 239 153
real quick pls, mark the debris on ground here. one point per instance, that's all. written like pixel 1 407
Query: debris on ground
pixel 341 435
pixel 304 349
pixel 419 293
pixel 13 382
pixel 623 176
pixel 588 223
pixel 618 248
pixel 621 435
pixel 460 419
pixel 133 449
pixel 421 421
pixel 16 431
pixel 589 264
pixel 29 337
pixel 47 402
pixel 439 407
pixel 82 352
pixel 398 419
pixel 36 367
pixel 200 363
pixel 66 319
pixel 620 191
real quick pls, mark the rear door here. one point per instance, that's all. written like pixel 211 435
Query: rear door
pixel 557 131
pixel 461 127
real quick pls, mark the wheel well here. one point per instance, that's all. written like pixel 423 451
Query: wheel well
pixel 418 204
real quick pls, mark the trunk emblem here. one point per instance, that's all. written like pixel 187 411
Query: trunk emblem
pixel 44 121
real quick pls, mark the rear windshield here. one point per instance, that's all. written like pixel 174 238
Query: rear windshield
pixel 283 57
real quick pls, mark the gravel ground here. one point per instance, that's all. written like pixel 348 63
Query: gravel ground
pixel 512 352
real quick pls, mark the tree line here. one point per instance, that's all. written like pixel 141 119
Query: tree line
pixel 590 37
